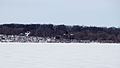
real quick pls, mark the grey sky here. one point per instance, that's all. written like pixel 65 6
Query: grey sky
pixel 69 12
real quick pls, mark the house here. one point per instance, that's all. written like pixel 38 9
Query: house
pixel 25 34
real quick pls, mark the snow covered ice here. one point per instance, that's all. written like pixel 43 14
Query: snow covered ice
pixel 59 55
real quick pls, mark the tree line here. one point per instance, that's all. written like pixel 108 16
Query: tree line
pixel 76 32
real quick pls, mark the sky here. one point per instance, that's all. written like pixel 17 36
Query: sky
pixel 68 12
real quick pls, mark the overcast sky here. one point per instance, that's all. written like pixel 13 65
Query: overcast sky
pixel 69 12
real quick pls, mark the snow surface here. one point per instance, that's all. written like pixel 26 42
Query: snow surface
pixel 59 55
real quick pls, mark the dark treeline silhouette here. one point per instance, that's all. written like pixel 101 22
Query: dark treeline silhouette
pixel 76 32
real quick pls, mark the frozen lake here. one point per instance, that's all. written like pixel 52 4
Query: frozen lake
pixel 59 55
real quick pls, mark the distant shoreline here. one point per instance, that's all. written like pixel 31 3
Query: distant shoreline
pixel 58 33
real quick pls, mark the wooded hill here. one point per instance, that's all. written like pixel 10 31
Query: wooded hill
pixel 76 32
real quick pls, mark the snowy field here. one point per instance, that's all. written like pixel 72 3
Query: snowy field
pixel 59 55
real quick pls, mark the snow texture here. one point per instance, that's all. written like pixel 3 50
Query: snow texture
pixel 59 55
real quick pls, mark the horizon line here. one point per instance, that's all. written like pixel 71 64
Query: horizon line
pixel 27 23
